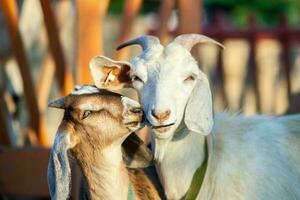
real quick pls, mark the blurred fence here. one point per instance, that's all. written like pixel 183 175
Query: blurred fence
pixel 249 83
pixel 260 74
pixel 241 72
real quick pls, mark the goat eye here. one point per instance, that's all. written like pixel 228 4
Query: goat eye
pixel 136 78
pixel 86 114
pixel 189 78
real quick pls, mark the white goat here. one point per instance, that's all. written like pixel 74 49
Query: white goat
pixel 95 124
pixel 248 157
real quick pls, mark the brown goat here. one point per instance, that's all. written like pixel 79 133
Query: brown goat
pixel 96 123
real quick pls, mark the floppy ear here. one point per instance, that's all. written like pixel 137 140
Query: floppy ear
pixel 59 172
pixel 111 74
pixel 135 152
pixel 198 113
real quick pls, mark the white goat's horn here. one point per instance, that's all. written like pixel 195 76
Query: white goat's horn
pixel 190 40
pixel 145 41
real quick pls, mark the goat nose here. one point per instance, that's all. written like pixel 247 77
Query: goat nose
pixel 161 116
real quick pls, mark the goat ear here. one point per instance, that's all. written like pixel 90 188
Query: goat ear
pixel 59 172
pixel 135 152
pixel 111 74
pixel 59 103
pixel 198 113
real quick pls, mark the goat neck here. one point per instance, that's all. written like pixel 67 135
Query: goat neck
pixel 105 173
pixel 186 152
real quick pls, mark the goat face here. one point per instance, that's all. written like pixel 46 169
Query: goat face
pixel 165 83
pixel 93 119
pixel 100 115
pixel 169 82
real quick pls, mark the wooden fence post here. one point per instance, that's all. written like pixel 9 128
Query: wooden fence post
pixel 9 9
pixel 218 25
pixel 4 122
pixel 165 12
pixel 90 20
pixel 63 73
pixel 130 11
pixel 190 13
pixel 285 43
pixel 251 37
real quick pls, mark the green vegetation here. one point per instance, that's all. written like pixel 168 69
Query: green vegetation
pixel 266 11
pixel 116 6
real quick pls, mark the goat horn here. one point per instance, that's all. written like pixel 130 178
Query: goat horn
pixel 145 41
pixel 190 40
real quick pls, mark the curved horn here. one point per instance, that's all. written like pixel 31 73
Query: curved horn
pixel 144 41
pixel 190 40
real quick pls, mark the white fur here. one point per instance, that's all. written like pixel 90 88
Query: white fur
pixel 253 158
pixel 85 89
pixel 249 157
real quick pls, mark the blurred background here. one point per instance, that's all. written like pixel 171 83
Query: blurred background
pixel 46 45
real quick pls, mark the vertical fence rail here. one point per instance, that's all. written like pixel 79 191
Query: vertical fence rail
pixel 4 122
pixel 10 12
pixel 90 21
pixel 285 42
pixel 62 71
pixel 165 12
pixel 189 11
pixel 130 11
pixel 217 24
pixel 252 34
pixel 284 34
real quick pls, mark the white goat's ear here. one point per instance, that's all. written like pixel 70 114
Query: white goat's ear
pixel 111 74
pixel 135 152
pixel 198 113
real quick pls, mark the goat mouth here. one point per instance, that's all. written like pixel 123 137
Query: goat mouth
pixel 133 123
pixel 160 128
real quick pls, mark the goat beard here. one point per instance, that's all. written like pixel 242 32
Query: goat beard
pixel 159 146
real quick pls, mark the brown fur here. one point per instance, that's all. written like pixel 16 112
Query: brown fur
pixel 95 142
pixel 144 189
pixel 121 75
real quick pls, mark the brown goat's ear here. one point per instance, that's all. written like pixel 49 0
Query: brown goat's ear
pixel 136 154
pixel 111 74
pixel 59 171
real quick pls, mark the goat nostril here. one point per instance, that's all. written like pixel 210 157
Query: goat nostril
pixel 161 116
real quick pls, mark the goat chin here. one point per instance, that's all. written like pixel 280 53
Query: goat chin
pixel 163 136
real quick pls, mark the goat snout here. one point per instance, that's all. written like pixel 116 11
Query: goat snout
pixel 161 116
pixel 133 118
